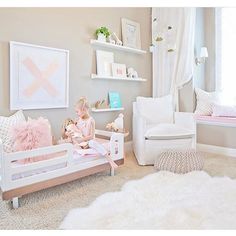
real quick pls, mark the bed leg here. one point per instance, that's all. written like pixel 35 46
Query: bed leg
pixel 15 202
pixel 112 171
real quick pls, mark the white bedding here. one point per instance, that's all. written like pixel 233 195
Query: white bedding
pixel 79 156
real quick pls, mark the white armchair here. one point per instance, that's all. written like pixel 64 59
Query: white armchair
pixel 157 127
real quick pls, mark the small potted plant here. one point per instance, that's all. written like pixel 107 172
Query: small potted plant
pixel 102 33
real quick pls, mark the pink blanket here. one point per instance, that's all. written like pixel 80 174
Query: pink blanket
pixel 216 119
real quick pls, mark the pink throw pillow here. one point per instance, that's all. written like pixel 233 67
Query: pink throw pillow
pixel 32 134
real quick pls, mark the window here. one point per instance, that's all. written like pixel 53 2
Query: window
pixel 225 54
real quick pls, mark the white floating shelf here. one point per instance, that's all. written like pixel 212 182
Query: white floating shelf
pixel 107 109
pixel 94 76
pixel 116 47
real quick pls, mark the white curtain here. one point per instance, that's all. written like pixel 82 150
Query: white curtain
pixel 171 70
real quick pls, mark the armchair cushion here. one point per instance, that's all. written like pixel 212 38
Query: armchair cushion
pixel 156 110
pixel 168 131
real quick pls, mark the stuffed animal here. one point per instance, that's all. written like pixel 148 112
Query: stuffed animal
pixel 112 127
pixel 132 73
pixel 117 125
pixel 70 126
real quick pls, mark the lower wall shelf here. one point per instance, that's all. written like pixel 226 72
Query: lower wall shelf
pixel 107 109
pixel 94 76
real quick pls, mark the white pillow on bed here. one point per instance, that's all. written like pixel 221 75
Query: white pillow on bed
pixel 6 123
pixel 205 101
pixel 222 110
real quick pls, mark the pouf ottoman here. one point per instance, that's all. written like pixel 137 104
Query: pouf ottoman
pixel 179 161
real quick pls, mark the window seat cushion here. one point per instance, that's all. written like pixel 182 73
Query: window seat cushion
pixel 216 120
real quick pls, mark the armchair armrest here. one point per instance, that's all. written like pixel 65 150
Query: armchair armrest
pixel 139 124
pixel 185 120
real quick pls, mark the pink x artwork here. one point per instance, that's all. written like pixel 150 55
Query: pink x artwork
pixel 41 78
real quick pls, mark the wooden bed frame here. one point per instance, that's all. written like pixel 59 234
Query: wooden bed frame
pixel 13 189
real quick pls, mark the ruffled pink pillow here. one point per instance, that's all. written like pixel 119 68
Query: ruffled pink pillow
pixel 31 134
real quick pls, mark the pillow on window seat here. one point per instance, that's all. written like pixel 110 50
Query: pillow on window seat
pixel 32 134
pixel 6 123
pixel 222 110
pixel 205 101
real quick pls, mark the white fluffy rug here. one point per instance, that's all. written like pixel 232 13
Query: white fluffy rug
pixel 162 201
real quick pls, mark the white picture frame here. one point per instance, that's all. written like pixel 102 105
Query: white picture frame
pixel 131 33
pixel 104 61
pixel 39 77
pixel 118 70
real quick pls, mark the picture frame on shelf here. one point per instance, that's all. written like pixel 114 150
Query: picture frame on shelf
pixel 104 61
pixel 131 33
pixel 114 100
pixel 118 70
pixel 39 77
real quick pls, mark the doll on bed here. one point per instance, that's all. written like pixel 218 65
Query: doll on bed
pixel 70 134
pixel 85 125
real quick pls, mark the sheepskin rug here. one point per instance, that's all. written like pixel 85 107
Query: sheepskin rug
pixel 163 200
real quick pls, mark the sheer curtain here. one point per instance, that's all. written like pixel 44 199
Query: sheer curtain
pixel 171 70
pixel 225 53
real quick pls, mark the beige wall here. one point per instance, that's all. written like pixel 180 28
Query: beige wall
pixel 72 29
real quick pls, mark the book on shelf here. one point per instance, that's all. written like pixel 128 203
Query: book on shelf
pixel 114 100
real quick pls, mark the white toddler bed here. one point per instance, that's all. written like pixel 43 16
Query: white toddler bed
pixel 18 179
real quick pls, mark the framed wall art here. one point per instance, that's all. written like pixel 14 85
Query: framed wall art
pixel 118 70
pixel 39 77
pixel 131 33
pixel 104 61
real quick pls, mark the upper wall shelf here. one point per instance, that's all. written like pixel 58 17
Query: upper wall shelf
pixel 116 47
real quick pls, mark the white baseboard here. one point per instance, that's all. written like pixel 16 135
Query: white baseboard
pixel 216 149
pixel 128 146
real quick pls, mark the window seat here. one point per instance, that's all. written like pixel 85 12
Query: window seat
pixel 215 120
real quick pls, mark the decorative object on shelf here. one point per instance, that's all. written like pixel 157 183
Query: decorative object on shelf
pixel 131 73
pixel 117 125
pixel 117 40
pixel 118 70
pixel 114 100
pixel 203 56
pixel 104 61
pixel 101 104
pixel 102 34
pixel 112 127
pixel 39 77
pixel 111 40
pixel 119 122
pixel 131 33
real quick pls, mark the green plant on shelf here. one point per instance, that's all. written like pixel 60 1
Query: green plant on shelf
pixel 103 30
